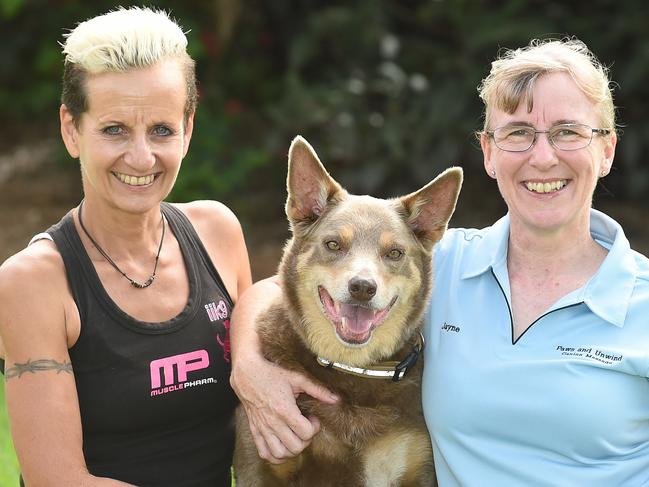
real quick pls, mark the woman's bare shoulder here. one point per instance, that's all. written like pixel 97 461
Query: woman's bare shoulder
pixel 34 301
pixel 209 212
pixel 39 262
pixel 33 279
pixel 222 235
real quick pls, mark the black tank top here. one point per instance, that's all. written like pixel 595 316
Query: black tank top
pixel 155 398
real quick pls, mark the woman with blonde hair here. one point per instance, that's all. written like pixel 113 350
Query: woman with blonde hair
pixel 542 378
pixel 114 324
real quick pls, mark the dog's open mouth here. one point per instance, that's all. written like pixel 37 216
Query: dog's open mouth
pixel 354 323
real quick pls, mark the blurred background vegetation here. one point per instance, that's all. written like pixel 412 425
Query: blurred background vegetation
pixel 385 90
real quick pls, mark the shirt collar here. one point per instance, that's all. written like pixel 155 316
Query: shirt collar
pixel 489 251
pixel 606 294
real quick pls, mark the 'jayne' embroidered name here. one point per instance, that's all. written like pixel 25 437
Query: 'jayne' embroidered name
pixel 590 353
pixel 447 327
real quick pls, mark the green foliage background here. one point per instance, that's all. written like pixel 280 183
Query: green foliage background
pixel 8 462
pixel 385 90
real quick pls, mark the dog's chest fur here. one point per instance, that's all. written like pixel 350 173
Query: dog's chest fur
pixel 368 409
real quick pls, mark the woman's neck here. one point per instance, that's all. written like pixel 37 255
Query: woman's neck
pixel 560 252
pixel 120 233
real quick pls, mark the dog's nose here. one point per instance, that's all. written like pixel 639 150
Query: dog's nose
pixel 362 289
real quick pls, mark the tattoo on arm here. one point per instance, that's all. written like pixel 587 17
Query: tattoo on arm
pixel 37 366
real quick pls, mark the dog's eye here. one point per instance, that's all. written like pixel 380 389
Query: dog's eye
pixel 394 254
pixel 332 245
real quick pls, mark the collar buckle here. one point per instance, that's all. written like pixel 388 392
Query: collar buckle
pixel 409 362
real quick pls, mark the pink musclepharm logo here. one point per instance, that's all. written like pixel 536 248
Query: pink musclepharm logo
pixel 185 362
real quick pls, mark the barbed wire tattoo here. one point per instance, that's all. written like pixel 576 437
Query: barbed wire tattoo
pixel 37 366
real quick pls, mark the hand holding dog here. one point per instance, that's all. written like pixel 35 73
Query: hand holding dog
pixel 268 393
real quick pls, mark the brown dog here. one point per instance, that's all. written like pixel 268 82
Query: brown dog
pixel 356 279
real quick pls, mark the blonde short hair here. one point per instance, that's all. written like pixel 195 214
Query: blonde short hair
pixel 121 40
pixel 513 74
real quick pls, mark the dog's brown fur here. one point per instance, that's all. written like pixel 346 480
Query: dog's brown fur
pixel 375 436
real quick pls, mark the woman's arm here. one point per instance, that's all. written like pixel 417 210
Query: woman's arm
pixel 40 389
pixel 268 393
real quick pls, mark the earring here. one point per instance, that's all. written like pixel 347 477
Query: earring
pixel 603 173
pixel 493 173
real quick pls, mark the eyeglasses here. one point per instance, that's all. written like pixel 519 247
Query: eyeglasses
pixel 568 137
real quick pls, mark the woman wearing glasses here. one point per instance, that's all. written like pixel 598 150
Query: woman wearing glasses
pixel 542 379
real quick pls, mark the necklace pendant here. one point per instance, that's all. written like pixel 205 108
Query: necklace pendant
pixel 142 285
pixel 135 284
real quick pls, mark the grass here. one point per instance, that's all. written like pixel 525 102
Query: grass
pixel 8 462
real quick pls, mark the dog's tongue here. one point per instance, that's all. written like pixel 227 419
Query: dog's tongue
pixel 357 319
pixel 353 323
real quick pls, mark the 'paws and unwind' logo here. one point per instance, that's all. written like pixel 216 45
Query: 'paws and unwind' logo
pixel 590 353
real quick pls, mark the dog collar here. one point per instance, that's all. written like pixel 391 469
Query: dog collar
pixel 384 370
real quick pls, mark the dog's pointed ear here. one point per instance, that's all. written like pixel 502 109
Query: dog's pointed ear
pixel 309 185
pixel 429 210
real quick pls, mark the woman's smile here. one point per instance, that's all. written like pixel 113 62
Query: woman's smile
pixel 135 180
pixel 545 186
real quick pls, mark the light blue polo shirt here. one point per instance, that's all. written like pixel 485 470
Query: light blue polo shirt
pixel 567 404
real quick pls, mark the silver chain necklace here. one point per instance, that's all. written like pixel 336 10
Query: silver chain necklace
pixel 134 283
